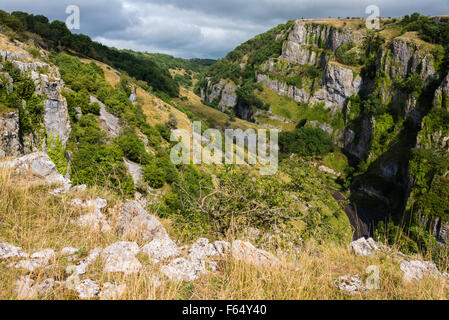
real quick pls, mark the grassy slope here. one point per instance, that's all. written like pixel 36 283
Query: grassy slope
pixel 44 222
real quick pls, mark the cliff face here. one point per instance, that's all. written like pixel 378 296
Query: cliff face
pixel 222 93
pixel 49 86
pixel 379 85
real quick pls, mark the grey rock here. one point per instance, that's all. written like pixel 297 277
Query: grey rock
pixel 108 122
pixel 136 223
pixel 133 96
pixel 93 220
pixel 364 247
pixel 222 247
pixel 161 249
pixel 202 249
pixel 112 292
pixel 182 269
pixel 37 260
pixel 351 284
pixel 81 268
pixel 37 163
pixel 25 288
pixel 417 270
pixel 12 55
pixel 9 251
pixel 120 257
pixel 46 287
pixel 87 289
pixel 68 251
pixel 246 252
pixel 9 135
pixel 56 114
pixel 135 170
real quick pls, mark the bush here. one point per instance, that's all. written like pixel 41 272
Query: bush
pixel 133 148
pixel 154 175
pixel 306 141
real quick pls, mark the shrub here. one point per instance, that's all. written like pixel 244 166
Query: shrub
pixel 306 141
pixel 154 175
pixel 133 148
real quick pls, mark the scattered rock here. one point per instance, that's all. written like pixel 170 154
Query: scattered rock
pixel 46 287
pixel 68 251
pixel 94 220
pixel 245 251
pixel 182 269
pixel 82 187
pixel 351 284
pixel 37 163
pixel 81 268
pixel 202 249
pixel 417 270
pixel 8 251
pixel 25 288
pixel 161 249
pixel 38 260
pixel 112 292
pixel 87 289
pixel 363 247
pixel 120 257
pixel 136 223
pixel 222 247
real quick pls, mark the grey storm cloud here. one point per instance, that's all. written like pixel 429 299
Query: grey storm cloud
pixel 203 28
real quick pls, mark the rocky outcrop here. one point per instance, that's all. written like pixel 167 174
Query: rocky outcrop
pixel 297 94
pixel 247 253
pixel 94 219
pixel 417 270
pixel 12 55
pixel 402 58
pixel 442 94
pixel 223 93
pixel 359 146
pixel 39 164
pixel 322 35
pixel 135 170
pixel 56 114
pixel 136 223
pixel 338 84
pixel 108 122
pixel 9 135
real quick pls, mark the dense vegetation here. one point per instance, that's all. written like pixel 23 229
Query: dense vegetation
pixel 56 36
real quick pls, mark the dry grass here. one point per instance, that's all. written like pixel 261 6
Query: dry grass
pixel 111 75
pixel 213 116
pixel 34 220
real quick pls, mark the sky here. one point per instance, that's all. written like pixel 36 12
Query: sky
pixel 203 28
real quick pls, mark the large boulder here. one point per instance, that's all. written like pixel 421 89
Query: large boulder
pixel 121 257
pixel 161 249
pixel 8 251
pixel 246 252
pixel 39 164
pixel 137 224
pixel 364 247
pixel 182 269
pixel 417 270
